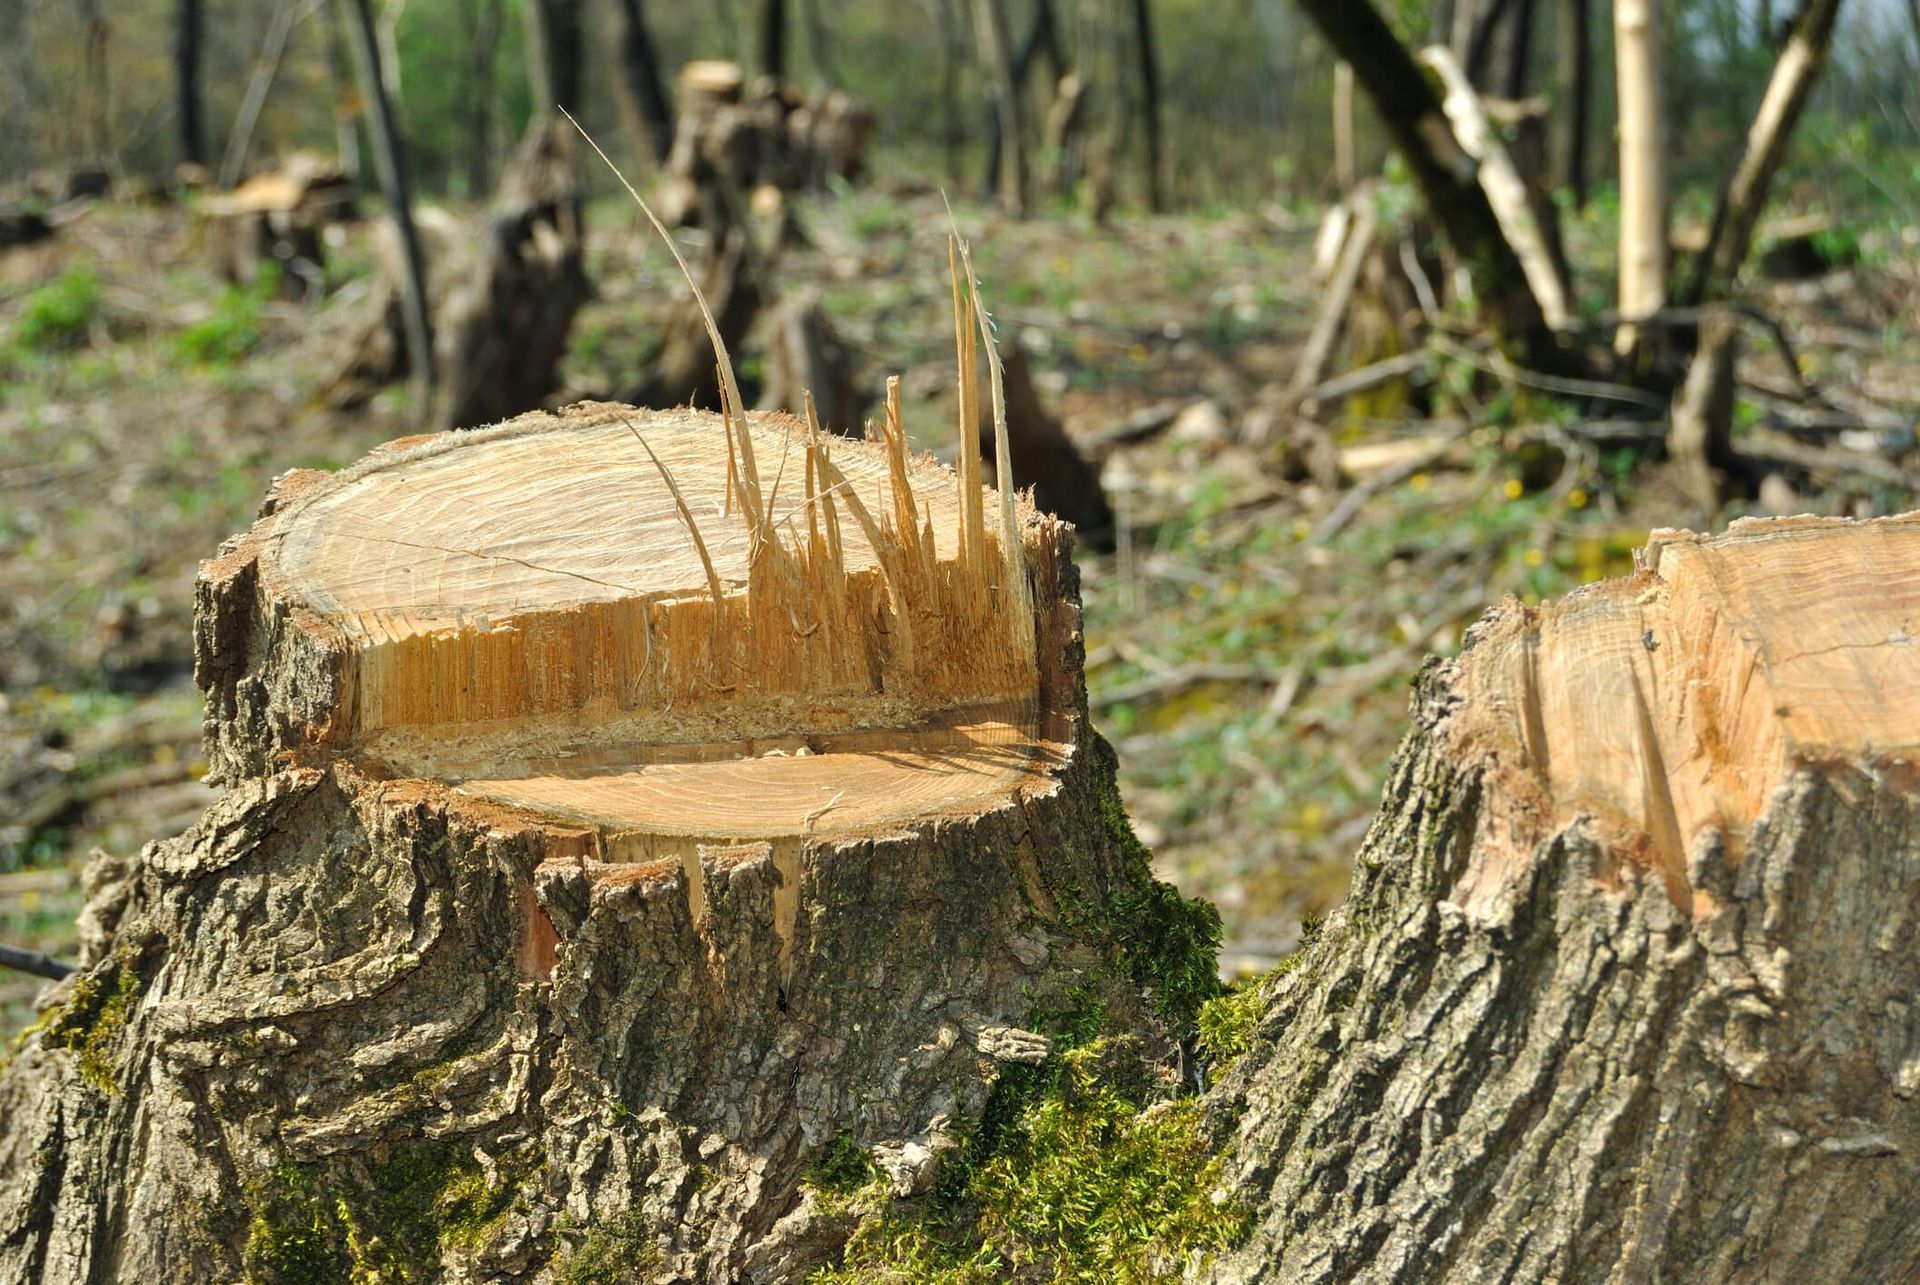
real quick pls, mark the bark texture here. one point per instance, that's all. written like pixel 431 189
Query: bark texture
pixel 1578 1068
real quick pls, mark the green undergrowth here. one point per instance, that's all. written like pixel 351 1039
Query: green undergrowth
pixel 395 1221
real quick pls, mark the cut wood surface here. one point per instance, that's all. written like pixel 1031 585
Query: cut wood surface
pixel 502 605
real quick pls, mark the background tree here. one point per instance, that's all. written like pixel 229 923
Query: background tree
pixel 186 64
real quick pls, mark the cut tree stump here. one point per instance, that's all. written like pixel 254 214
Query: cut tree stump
pixel 591 858
pixel 1624 987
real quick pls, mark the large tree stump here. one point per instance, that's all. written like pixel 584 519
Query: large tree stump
pixel 590 860
pixel 1625 986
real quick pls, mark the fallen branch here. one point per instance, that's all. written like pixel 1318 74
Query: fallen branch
pixel 1778 448
pixel 1158 687
pixel 36 962
pixel 1494 364
pixel 1350 504
pixel 1362 380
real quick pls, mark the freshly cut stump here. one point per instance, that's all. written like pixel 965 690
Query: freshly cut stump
pixel 1627 987
pixel 621 806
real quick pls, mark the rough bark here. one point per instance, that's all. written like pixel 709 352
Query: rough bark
pixel 1623 989
pixel 357 1023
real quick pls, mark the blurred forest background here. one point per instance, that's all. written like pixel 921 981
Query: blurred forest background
pixel 1245 85
pixel 1296 426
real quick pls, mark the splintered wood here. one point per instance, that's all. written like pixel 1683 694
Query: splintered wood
pixel 1670 707
pixel 510 600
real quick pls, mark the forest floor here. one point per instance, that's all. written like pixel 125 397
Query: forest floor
pixel 1251 670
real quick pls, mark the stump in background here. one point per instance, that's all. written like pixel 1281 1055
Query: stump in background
pixel 279 217
pixel 589 862
pixel 502 329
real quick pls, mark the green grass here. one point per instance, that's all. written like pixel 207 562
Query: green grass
pixel 61 314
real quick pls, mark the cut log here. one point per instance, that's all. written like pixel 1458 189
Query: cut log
pixel 1623 990
pixel 590 860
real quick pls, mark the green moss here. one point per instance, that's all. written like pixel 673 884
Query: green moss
pixel 92 1021
pixel 1066 1178
pixel 298 1234
pixel 844 1169
pixel 1226 1023
pixel 1169 945
pixel 393 1220
pixel 617 1253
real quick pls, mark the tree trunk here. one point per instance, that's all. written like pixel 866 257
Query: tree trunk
pixel 1344 168
pixel 390 162
pixel 1765 148
pixel 1010 174
pixel 1040 37
pixel 1520 51
pixel 502 329
pixel 644 88
pixel 1446 176
pixel 1480 47
pixel 1149 55
pixel 1643 175
pixel 773 38
pixel 1623 990
pixel 1519 216
pixel 555 41
pixel 1046 460
pixel 952 56
pixel 479 108
pixel 1576 89
pixel 186 80
pixel 564 908
pixel 1700 432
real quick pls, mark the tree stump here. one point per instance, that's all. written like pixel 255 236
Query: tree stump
pixel 1624 987
pixel 620 808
